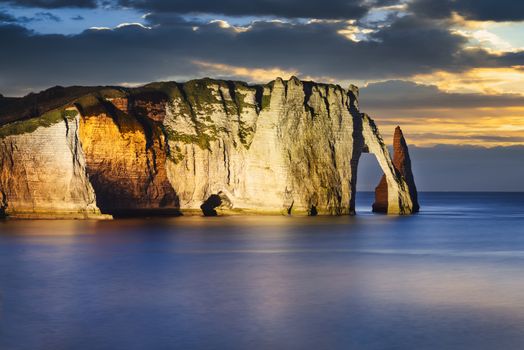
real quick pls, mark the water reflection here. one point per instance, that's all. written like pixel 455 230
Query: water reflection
pixel 430 281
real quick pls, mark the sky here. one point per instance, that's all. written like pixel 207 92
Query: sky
pixel 450 72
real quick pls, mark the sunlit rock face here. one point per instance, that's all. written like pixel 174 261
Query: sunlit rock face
pixel 282 148
pixel 125 160
pixel 43 173
pixel 206 146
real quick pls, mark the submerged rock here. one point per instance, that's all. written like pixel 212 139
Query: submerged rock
pixel 205 146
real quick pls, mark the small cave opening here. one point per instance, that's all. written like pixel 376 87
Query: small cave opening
pixel 313 203
pixel 209 205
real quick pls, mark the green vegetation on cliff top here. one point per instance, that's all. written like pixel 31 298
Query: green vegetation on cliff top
pixel 199 99
pixel 30 125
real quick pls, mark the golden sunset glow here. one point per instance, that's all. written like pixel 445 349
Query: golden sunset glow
pixel 487 127
pixel 256 75
pixel 479 80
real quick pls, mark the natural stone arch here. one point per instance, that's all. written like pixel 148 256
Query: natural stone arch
pixel 399 199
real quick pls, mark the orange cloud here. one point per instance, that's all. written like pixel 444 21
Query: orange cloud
pixel 256 75
pixel 479 80
pixel 487 127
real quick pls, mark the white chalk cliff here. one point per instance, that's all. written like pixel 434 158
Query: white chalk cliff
pixel 205 146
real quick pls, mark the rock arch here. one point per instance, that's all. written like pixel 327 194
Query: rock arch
pixel 396 194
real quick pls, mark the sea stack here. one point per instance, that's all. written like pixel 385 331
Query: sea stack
pixel 402 164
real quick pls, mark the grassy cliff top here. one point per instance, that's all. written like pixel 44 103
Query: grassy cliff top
pixel 34 105
pixel 37 104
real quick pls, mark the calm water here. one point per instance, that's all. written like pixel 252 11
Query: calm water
pixel 451 277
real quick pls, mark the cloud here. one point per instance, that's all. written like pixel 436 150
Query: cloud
pixel 490 80
pixel 470 137
pixel 169 47
pixel 260 75
pixel 77 18
pixel 51 4
pixel 402 94
pixel 431 116
pixel 45 16
pixel 479 10
pixel 333 9
pixel 7 18
pixel 39 16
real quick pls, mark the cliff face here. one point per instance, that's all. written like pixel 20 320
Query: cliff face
pixel 42 173
pixel 126 164
pixel 283 148
pixel 205 146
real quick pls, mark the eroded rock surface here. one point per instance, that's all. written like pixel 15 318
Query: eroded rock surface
pixel 126 163
pixel 43 173
pixel 284 148
pixel 205 146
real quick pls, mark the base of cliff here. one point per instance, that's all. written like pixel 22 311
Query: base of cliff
pixel 257 212
pixel 55 216
pixel 144 213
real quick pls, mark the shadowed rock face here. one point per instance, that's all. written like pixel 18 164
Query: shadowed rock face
pixel 205 146
pixel 402 164
pixel 209 205
pixel 126 164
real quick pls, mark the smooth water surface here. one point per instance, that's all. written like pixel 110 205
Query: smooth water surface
pixel 451 277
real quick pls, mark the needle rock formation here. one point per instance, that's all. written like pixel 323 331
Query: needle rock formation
pixel 402 164
pixel 205 146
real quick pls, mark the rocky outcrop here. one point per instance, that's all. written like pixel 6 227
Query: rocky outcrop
pixel 402 168
pixel 206 146
pixel 125 160
pixel 282 148
pixel 43 173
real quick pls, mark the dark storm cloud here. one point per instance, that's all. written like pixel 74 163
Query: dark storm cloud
pixel 133 54
pixel 404 95
pixel 51 4
pixel 407 46
pixel 39 16
pixel 45 16
pixel 7 18
pixel 284 8
pixel 482 10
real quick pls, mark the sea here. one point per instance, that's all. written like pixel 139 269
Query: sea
pixel 450 277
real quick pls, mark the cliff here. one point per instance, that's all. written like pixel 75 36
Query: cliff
pixel 42 173
pixel 205 146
